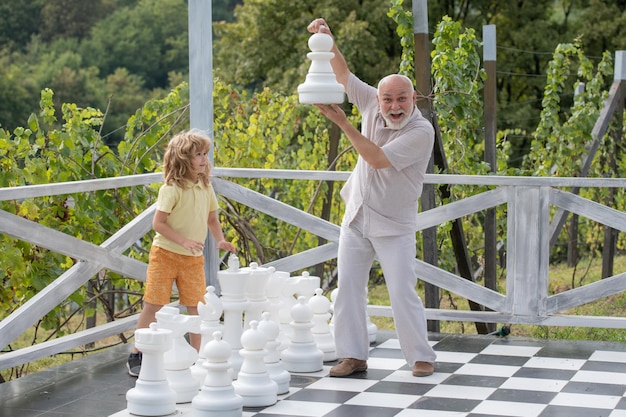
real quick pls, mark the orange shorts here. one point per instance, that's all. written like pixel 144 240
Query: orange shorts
pixel 165 268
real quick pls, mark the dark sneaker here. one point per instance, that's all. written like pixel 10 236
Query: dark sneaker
pixel 134 364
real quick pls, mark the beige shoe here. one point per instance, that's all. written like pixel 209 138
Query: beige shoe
pixel 423 368
pixel 348 366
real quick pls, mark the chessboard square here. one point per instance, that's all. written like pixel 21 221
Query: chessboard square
pixel 348 410
pixel 594 388
pixel 343 384
pixel 319 395
pixel 401 388
pixel 570 349
pixel 460 391
pixel 487 370
pixel 522 396
pixel 447 367
pixel 464 343
pixel 499 360
pixel 604 366
pixel 555 363
pixel 455 357
pixel 449 404
pixel 565 411
pixel 385 363
pixel 375 399
pixel 508 409
pixel 386 353
pixel 600 377
pixel 544 373
pixel 608 356
pixel 299 409
pixel 475 381
pixel 407 377
pixel 532 384
pixel 585 400
pixel 511 350
pixel 389 344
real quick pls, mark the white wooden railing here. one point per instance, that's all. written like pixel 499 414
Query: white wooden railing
pixel 528 200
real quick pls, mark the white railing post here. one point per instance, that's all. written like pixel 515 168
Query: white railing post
pixel 528 247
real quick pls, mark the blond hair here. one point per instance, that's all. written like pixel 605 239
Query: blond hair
pixel 177 165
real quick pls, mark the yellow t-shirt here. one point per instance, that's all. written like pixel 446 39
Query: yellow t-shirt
pixel 188 210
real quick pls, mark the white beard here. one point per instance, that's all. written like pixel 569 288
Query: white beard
pixel 397 125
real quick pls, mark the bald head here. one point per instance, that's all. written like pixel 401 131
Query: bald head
pixel 396 100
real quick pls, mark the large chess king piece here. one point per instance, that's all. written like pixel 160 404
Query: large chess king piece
pixel 320 86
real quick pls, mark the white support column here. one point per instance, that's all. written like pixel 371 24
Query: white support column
pixel 201 100
pixel 528 251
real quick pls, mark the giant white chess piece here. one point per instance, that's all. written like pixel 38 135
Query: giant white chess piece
pixel 152 395
pixel 302 354
pixel 179 359
pixel 217 398
pixel 254 384
pixel 320 85
pixel 324 339
pixel 256 292
pixel 233 282
pixel 272 357
pixel 210 313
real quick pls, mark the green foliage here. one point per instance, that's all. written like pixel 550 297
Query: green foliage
pixel 266 45
pixel 43 153
pixel 271 131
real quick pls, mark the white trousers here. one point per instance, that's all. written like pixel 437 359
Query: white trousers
pixel 396 255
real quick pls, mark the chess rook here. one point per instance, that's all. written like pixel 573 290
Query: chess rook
pixel 152 395
pixel 320 85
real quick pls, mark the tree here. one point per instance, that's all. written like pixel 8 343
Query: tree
pixel 149 40
pixel 70 18
pixel 266 45
pixel 19 20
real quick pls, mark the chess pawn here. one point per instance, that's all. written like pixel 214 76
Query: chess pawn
pixel 179 359
pixel 210 313
pixel 233 282
pixel 320 305
pixel 253 383
pixel 152 395
pixel 278 374
pixel 320 85
pixel 217 397
pixel 302 354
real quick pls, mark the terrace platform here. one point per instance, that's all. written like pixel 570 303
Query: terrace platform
pixel 475 376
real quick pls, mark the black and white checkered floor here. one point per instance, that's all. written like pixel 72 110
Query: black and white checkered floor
pixel 475 376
